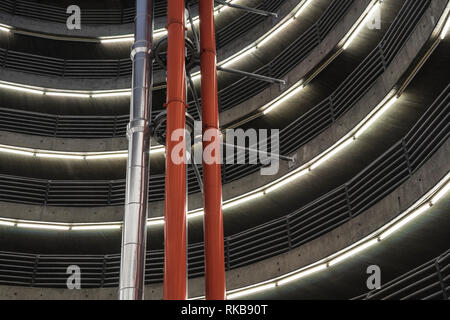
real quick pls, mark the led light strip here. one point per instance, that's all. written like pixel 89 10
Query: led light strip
pixel 364 125
pixel 65 93
pixel 446 26
pixel 5 28
pixel 361 24
pixel 72 155
pixel 418 209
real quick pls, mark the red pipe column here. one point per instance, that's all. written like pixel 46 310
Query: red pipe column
pixel 212 180
pixel 175 275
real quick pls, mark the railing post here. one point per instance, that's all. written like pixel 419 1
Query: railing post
pixel 227 252
pixel 47 190
pixel 406 154
pixel 441 279
pixel 115 127
pixel 316 27
pixel 349 206
pixel 109 192
pixel 5 59
pixel 331 102
pixel 118 68
pixel 14 9
pixel 383 59
pixel 56 126
pixel 33 277
pixel 64 68
pixel 102 281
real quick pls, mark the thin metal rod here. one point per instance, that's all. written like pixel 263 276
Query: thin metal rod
pixel 197 174
pixel 248 9
pixel 279 156
pixel 215 288
pixel 194 95
pixel 191 22
pixel 134 234
pixel 175 233
pixel 251 75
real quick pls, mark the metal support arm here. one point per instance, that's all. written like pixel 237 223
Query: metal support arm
pixel 248 9
pixel 279 156
pixel 252 75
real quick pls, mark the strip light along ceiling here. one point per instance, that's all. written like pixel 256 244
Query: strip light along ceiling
pixel 359 26
pixel 286 179
pixel 4 28
pixel 72 155
pixel 446 27
pixel 65 93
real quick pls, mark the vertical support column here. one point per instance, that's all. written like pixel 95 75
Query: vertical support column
pixel 134 234
pixel 175 269
pixel 213 220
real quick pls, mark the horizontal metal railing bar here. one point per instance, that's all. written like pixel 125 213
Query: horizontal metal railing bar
pixel 58 14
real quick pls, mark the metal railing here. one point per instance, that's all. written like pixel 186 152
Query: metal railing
pixel 58 14
pixel 111 68
pixel 430 281
pixel 280 235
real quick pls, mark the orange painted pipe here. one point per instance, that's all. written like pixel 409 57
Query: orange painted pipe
pixel 212 181
pixel 175 263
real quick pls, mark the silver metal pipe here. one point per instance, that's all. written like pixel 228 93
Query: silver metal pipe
pixel 134 234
